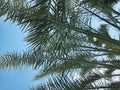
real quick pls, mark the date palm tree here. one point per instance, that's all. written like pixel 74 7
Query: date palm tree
pixel 63 42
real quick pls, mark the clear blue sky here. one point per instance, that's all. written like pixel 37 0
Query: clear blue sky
pixel 11 39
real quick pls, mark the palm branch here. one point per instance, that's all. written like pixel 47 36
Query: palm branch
pixel 61 42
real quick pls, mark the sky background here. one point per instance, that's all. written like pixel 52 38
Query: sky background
pixel 11 39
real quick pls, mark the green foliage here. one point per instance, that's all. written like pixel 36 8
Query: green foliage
pixel 62 41
pixel 103 2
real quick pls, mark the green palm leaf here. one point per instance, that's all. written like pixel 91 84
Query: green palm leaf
pixel 61 41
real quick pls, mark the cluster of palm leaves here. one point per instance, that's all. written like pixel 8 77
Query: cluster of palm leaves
pixel 63 41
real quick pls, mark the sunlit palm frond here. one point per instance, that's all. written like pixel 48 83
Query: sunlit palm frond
pixel 92 80
pixel 68 83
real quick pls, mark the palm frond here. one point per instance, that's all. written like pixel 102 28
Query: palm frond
pixel 61 41
pixel 67 83
pixel 15 60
